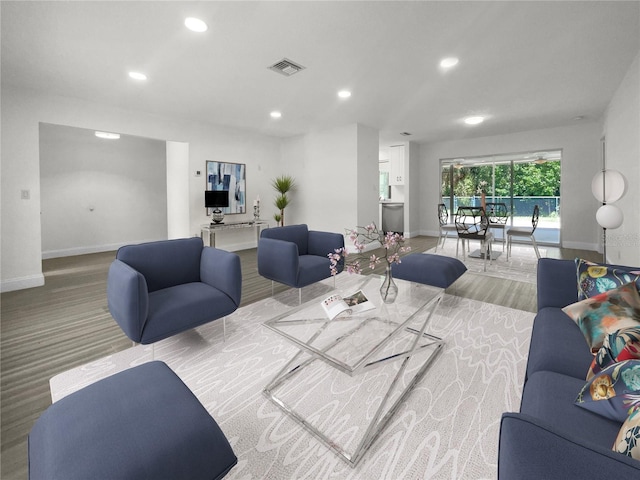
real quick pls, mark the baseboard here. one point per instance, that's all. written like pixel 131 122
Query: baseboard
pixel 582 246
pixel 111 247
pixel 21 283
pixel 429 233
pixel 234 247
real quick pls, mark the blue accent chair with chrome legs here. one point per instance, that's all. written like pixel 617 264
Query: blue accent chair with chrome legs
pixel 296 256
pixel 158 289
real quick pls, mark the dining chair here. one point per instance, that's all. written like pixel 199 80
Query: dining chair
pixel 525 232
pixel 498 215
pixel 445 226
pixel 472 224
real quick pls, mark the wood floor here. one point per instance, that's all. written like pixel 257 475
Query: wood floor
pixel 66 323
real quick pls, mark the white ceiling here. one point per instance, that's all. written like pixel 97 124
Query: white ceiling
pixel 526 65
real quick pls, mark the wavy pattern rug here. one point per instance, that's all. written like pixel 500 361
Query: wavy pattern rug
pixel 521 266
pixel 446 429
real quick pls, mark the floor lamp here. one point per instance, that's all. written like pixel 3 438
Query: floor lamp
pixel 608 186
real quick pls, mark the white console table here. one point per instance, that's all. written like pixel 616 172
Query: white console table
pixel 212 229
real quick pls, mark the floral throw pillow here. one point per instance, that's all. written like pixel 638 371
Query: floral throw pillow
pixel 605 313
pixel 614 392
pixel 594 278
pixel 623 344
pixel 628 440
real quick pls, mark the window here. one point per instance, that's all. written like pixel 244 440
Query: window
pixel 520 180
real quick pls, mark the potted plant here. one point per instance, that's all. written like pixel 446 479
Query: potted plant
pixel 282 184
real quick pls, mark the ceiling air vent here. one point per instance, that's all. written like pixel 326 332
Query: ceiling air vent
pixel 286 67
pixel 405 134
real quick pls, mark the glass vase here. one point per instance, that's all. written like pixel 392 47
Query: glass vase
pixel 389 289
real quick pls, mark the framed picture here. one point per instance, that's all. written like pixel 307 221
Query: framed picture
pixel 230 177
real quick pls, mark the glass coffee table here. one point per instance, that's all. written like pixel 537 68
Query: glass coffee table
pixel 351 374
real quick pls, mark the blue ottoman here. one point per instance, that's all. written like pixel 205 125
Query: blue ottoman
pixel 143 423
pixel 435 270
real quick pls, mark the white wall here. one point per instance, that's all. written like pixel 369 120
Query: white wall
pixel 333 183
pixel 368 182
pixel 98 194
pixel 177 189
pixel 23 110
pixel 622 134
pixel 581 160
pixel 412 206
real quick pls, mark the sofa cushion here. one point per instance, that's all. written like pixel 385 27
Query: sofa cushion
pixel 605 313
pixel 594 278
pixel 198 303
pixel 557 345
pixel 628 439
pixel 614 392
pixel 312 269
pixel 556 281
pixel 550 396
pixel 623 344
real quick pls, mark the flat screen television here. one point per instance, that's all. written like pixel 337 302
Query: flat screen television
pixel 216 198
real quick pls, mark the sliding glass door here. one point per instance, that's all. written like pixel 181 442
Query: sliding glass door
pixel 520 181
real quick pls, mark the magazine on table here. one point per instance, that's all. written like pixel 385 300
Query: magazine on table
pixel 356 303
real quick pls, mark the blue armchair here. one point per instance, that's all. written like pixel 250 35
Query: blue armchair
pixel 296 256
pixel 158 289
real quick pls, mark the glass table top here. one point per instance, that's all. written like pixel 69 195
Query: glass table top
pixel 353 342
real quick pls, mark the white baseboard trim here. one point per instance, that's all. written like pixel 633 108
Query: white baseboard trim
pixel 429 233
pixel 111 247
pixel 238 246
pixel 582 246
pixel 21 283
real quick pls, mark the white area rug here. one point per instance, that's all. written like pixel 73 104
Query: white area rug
pixel 521 266
pixel 446 429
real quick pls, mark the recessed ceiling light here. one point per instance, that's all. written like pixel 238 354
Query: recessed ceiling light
pixel 449 62
pixel 107 135
pixel 137 76
pixel 344 93
pixel 276 114
pixel 195 25
pixel 474 120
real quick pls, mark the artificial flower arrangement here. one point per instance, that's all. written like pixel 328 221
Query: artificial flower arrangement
pixel 393 244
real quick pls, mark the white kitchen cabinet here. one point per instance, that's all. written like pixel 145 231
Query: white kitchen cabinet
pixel 396 170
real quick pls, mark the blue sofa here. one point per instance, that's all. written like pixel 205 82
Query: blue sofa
pixel 551 437
pixel 158 289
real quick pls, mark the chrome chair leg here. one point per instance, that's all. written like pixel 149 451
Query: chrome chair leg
pixel 299 296
pixel 224 329
pixel 535 246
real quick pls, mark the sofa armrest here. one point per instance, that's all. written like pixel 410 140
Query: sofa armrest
pixel 531 449
pixel 557 283
pixel 128 298
pixel 221 270
pixel 278 260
